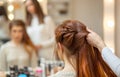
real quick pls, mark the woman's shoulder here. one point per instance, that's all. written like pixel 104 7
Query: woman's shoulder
pixel 6 45
pixel 64 74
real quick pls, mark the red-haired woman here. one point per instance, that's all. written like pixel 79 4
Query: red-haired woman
pixel 81 59
pixel 19 50
pixel 40 29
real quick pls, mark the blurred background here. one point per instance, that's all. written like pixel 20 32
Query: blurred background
pixel 102 16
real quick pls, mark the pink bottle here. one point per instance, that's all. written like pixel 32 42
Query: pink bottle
pixel 38 72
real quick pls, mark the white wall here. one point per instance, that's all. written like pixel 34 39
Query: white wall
pixel 90 12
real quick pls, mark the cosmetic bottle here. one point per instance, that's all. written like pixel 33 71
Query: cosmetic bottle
pixel 26 71
pixel 12 71
pixel 31 72
pixel 16 70
pixel 22 72
pixel 38 72
pixel 43 67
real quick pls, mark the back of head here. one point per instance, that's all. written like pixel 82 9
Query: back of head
pixel 89 63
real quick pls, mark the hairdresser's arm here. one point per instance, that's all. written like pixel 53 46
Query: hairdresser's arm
pixel 50 28
pixel 111 59
pixel 49 32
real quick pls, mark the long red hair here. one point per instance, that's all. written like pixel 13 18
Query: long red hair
pixel 89 63
pixel 28 45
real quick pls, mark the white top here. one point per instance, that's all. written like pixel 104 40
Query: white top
pixel 64 74
pixel 10 54
pixel 43 34
pixel 112 60
pixel 67 71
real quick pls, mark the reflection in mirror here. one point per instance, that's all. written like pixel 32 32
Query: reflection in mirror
pixel 4 34
pixel 89 12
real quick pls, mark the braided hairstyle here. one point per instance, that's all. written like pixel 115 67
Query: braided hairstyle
pixel 89 63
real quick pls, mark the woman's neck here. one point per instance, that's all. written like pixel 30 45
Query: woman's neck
pixel 68 66
pixel 17 43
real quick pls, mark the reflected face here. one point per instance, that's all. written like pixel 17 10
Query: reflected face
pixel 30 7
pixel 17 33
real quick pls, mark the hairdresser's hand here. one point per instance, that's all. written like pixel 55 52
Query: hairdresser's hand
pixel 95 40
pixel 38 47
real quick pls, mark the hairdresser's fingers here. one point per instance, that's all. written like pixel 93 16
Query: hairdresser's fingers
pixel 89 30
pixel 90 35
pixel 95 40
pixel 90 39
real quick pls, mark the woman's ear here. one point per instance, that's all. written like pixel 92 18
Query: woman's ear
pixel 60 47
pixel 60 51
